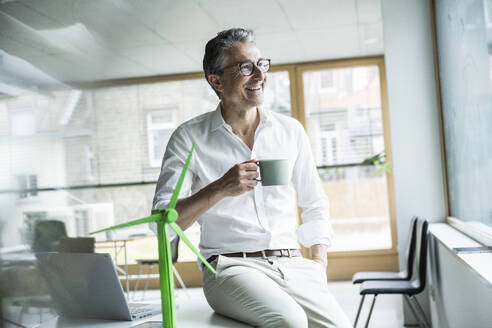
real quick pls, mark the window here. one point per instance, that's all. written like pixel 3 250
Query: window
pixel 345 128
pixel 277 93
pixel 464 34
pixel 25 183
pixel 160 126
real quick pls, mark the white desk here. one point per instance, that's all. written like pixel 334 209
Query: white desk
pixel 195 319
pixel 192 312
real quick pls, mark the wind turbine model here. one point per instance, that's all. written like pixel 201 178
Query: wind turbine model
pixel 164 218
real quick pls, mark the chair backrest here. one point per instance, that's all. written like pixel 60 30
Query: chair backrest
pixel 47 234
pixel 77 245
pixel 420 263
pixel 410 251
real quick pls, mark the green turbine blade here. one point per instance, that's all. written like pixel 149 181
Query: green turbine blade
pixel 174 198
pixel 152 218
pixel 190 245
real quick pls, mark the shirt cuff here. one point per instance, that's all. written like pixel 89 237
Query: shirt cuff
pixel 315 232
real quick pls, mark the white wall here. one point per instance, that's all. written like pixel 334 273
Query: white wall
pixel 415 136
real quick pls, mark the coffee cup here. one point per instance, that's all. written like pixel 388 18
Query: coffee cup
pixel 273 172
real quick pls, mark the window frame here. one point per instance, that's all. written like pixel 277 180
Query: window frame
pixel 300 115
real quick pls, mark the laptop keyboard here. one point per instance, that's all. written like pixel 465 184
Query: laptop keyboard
pixel 140 310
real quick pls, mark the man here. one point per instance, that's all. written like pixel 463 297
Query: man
pixel 247 231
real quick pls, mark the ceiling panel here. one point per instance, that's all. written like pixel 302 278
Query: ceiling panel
pixel 161 58
pixel 150 12
pixel 115 26
pixel 317 14
pixel 328 44
pixel 281 48
pixel 28 16
pixel 186 22
pixel 59 12
pixel 194 50
pixel 259 15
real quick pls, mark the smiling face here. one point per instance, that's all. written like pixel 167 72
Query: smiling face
pixel 236 89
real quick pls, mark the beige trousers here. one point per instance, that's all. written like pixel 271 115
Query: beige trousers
pixel 273 292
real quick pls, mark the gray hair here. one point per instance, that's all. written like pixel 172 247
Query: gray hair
pixel 216 48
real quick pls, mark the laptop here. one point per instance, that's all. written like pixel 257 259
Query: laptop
pixel 87 286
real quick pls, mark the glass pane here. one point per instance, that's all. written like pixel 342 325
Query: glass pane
pixel 109 135
pixel 358 208
pixel 277 93
pixel 344 124
pixel 464 36
pixel 85 138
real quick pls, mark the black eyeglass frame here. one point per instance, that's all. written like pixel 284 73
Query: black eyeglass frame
pixel 248 62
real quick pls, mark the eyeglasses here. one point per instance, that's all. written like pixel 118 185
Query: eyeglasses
pixel 247 68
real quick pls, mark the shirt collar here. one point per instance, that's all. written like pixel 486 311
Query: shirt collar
pixel 218 120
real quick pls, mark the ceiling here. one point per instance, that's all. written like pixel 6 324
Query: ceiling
pixel 42 41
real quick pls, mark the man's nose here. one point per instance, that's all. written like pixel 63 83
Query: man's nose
pixel 258 74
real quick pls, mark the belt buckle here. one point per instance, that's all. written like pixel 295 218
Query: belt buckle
pixel 285 252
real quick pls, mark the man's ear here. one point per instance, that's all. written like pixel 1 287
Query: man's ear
pixel 216 82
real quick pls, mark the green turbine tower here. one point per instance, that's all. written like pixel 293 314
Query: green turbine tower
pixel 164 218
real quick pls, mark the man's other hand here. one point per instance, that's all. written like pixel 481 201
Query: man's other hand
pixel 318 254
pixel 321 262
pixel 239 179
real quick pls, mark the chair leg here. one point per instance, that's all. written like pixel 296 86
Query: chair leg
pixel 147 281
pixel 358 311
pixel 416 310
pixel 370 310
pixel 178 277
pixel 181 283
pixel 138 280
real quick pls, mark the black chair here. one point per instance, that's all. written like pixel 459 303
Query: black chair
pixel 51 236
pixel 360 277
pixel 77 245
pixel 407 288
pixel 47 235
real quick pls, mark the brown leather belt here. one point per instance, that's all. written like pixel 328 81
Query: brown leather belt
pixel 267 252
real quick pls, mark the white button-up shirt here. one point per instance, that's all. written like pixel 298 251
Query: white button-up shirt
pixel 259 219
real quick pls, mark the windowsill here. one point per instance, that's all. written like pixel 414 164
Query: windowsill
pixel 478 262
